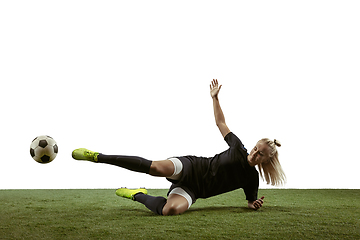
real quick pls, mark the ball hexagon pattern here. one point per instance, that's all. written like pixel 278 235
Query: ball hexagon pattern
pixel 43 149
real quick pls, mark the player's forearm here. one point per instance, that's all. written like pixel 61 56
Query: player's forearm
pixel 218 113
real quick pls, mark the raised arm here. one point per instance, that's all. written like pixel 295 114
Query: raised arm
pixel 219 115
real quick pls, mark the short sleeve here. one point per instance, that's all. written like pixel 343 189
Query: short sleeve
pixel 233 141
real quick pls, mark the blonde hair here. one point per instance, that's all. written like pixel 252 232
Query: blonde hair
pixel 272 170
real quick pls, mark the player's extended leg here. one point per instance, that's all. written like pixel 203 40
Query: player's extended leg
pixel 163 168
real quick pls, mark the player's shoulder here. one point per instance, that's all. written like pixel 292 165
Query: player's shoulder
pixel 231 137
pixel 233 141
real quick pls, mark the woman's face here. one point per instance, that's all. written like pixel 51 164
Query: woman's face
pixel 259 154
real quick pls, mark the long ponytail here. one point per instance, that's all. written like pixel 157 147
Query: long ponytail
pixel 272 170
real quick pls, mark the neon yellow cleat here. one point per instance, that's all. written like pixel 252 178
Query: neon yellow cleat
pixel 85 154
pixel 130 193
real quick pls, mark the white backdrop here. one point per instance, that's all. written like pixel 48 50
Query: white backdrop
pixel 132 77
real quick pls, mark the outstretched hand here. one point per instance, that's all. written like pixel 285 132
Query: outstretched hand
pixel 214 88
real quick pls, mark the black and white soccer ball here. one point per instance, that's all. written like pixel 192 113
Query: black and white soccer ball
pixel 43 149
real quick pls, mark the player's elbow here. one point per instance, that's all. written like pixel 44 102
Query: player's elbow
pixel 220 124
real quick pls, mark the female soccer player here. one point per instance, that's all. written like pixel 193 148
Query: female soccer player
pixel 198 177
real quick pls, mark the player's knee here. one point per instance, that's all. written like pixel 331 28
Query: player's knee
pixel 160 168
pixel 171 209
pixel 156 169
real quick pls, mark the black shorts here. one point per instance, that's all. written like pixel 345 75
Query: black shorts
pixel 185 180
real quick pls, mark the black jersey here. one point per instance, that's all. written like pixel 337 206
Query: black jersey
pixel 206 177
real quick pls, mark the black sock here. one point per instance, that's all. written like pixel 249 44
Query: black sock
pixel 132 163
pixel 155 204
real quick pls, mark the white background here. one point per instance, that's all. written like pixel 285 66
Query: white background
pixel 132 77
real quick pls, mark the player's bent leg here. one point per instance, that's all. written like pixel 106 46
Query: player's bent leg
pixel 155 204
pixel 176 204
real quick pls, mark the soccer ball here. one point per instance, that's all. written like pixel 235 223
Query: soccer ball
pixel 43 149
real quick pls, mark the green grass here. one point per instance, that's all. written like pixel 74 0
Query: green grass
pixel 100 214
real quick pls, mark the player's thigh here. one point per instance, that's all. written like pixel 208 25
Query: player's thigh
pixel 176 204
pixel 163 168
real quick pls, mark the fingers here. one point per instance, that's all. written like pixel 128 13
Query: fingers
pixel 258 203
pixel 214 83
